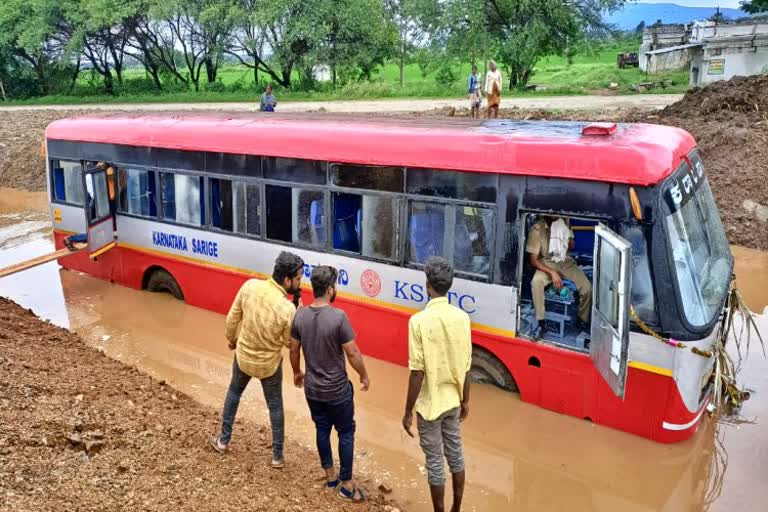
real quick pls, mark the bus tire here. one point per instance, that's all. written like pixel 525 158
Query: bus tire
pixel 161 281
pixel 487 369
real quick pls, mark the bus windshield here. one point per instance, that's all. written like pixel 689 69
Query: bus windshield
pixel 702 258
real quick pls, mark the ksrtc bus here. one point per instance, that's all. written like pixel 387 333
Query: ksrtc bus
pixel 194 204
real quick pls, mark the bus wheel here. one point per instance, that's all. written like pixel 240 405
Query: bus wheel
pixel 162 281
pixel 487 369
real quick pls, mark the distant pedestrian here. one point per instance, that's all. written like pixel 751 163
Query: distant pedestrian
pixel 263 313
pixel 326 335
pixel 492 89
pixel 268 101
pixel 473 90
pixel 439 357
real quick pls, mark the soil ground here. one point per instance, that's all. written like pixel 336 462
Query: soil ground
pixel 728 119
pixel 80 431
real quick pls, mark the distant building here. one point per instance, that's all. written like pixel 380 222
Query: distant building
pixel 712 51
pixel 661 37
pixel 728 50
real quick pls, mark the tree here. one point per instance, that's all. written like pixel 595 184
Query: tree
pixel 518 32
pixel 414 21
pixel 754 6
pixel 640 27
pixel 30 30
pixel 353 37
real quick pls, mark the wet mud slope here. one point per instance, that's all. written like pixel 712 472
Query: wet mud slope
pixel 80 431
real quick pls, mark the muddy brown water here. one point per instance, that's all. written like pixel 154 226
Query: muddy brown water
pixel 519 457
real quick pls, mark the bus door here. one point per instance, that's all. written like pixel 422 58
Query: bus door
pixel 98 212
pixel 612 276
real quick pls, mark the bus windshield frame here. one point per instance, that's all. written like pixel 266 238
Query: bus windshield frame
pixel 699 254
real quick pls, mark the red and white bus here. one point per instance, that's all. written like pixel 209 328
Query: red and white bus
pixel 194 204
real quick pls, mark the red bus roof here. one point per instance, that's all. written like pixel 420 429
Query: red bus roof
pixel 637 154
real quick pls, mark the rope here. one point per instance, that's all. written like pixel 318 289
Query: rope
pixel 669 341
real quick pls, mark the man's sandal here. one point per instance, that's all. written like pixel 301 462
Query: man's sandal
pixel 219 448
pixel 353 496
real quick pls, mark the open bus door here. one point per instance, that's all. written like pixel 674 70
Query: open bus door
pixel 612 276
pixel 98 213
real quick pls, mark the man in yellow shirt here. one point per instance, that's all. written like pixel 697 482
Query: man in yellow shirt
pixel 439 357
pixel 259 326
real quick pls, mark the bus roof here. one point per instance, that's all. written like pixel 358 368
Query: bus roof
pixel 637 154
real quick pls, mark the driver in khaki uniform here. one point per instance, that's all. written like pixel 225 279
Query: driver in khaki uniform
pixel 548 271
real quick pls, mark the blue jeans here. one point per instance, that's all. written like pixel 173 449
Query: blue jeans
pixel 342 417
pixel 273 393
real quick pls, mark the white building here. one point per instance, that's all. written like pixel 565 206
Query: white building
pixel 714 51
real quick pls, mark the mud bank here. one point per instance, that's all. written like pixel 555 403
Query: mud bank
pixel 81 431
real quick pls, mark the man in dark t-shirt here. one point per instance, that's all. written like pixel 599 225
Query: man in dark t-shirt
pixel 326 335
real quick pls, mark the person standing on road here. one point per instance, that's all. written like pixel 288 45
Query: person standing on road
pixel 268 101
pixel 492 89
pixel 473 89
pixel 263 314
pixel 326 335
pixel 439 357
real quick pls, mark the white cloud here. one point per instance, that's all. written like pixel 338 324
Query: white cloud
pixel 734 4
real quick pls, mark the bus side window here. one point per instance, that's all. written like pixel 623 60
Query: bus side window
pixel 295 215
pixel 294 169
pixel 235 206
pixel 472 240
pixel 371 177
pixel 180 196
pixel 366 224
pixel 643 299
pixel 136 189
pixel 468 186
pixel 67 181
pixel 426 231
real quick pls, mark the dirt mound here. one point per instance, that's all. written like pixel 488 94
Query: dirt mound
pixel 22 164
pixel 729 120
pixel 80 431
pixel 745 94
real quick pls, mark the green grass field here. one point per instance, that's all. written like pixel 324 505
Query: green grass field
pixel 588 73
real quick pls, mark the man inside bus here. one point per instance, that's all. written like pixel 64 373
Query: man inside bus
pixel 258 326
pixel 549 241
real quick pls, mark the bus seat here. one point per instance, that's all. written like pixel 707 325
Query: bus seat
pixel 58 184
pixel 426 235
pixel 345 236
pixel 317 228
pixel 462 252
pixel 215 203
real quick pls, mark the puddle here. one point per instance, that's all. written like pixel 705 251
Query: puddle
pixel 519 457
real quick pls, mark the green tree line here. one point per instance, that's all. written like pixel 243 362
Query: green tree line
pixel 45 45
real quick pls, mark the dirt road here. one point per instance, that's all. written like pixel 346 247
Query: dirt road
pixel 641 101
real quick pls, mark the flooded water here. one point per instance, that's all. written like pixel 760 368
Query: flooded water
pixel 519 457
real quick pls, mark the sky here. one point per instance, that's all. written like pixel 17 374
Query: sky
pixel 695 3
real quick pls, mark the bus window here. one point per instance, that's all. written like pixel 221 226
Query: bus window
pixel 246 208
pixel 347 216
pixel 235 206
pixel 470 186
pixel 137 192
pixel 607 290
pixel 387 179
pixel 180 198
pixel 426 231
pixel 309 220
pixel 295 215
pixel 642 285
pixel 295 169
pixel 472 240
pixel 366 224
pixel 67 181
